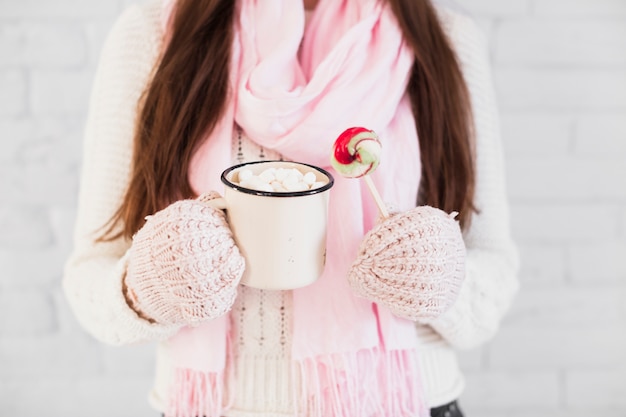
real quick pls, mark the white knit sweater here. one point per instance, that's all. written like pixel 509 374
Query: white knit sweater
pixel 262 320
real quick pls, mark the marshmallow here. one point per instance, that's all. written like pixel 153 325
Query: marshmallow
pixel 279 180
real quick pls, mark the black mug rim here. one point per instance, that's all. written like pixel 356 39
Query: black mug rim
pixel 239 188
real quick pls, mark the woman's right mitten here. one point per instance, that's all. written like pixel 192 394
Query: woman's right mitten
pixel 184 265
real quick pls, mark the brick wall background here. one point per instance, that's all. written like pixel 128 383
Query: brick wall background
pixel 560 73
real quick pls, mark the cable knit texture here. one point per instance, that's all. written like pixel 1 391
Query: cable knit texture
pixel 412 262
pixel 184 266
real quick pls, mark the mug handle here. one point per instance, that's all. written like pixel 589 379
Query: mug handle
pixel 213 199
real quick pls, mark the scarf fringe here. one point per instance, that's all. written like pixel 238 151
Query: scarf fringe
pixel 196 393
pixel 371 382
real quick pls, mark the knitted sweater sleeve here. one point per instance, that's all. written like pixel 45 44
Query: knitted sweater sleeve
pixel 95 270
pixel 492 262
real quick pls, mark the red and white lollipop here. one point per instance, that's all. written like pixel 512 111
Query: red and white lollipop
pixel 356 153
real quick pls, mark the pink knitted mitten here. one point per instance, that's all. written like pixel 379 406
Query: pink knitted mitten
pixel 184 266
pixel 413 263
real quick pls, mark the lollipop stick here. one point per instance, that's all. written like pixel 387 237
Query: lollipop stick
pixel 377 199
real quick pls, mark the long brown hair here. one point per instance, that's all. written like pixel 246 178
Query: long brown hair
pixel 442 111
pixel 187 83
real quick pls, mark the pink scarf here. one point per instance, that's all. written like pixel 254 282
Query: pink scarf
pixel 295 90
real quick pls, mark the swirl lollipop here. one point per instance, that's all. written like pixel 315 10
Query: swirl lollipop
pixel 356 153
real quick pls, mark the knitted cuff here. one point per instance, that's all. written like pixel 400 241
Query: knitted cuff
pixel 413 263
pixel 184 266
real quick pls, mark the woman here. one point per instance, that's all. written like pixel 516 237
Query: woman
pixel 185 90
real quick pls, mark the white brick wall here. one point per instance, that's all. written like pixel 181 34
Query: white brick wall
pixel 560 73
pixel 561 80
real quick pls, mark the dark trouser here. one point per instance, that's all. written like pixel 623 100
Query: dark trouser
pixel 449 410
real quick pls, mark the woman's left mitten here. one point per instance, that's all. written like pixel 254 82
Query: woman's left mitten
pixel 412 262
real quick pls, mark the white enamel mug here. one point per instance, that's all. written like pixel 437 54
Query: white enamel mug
pixel 282 235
